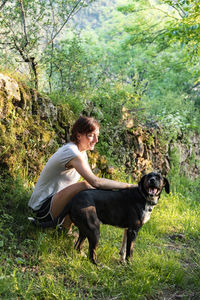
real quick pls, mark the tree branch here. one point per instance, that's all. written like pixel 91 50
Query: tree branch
pixel 165 12
pixel 180 10
pixel 196 85
pixel 68 17
pixel 2 43
pixel 2 5
pixel 23 22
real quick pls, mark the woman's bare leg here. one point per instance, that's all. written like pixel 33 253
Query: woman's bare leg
pixel 60 200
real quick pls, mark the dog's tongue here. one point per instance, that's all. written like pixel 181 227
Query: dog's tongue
pixel 152 191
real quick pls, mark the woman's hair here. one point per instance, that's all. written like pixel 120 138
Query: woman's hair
pixel 83 125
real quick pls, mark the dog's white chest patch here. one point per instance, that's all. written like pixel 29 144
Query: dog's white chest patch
pixel 147 213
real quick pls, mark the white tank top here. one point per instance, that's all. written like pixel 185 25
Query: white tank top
pixel 55 176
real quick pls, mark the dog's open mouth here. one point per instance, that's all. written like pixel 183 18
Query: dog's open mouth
pixel 152 191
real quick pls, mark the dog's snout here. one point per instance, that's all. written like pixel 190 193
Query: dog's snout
pixel 152 180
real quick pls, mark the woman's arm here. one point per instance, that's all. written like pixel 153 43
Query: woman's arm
pixel 85 171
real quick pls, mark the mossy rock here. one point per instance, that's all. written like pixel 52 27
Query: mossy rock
pixel 29 131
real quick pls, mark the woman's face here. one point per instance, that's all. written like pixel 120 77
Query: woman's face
pixel 88 141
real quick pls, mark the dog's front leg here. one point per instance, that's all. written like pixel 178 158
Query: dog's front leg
pixel 79 243
pixel 93 238
pixel 131 237
pixel 93 255
pixel 122 251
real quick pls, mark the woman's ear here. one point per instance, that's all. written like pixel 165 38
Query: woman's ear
pixel 78 137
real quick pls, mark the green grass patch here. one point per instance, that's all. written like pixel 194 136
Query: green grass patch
pixel 42 264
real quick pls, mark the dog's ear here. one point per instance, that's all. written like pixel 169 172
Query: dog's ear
pixel 141 182
pixel 166 184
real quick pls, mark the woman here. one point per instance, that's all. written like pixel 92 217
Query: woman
pixel 58 182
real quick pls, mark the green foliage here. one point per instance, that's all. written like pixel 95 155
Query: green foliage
pixel 67 67
pixel 184 28
pixel 165 66
pixel 135 53
pixel 182 184
pixel 74 101
pixel 127 62
pixel 27 28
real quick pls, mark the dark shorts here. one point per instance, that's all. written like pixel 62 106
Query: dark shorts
pixel 43 215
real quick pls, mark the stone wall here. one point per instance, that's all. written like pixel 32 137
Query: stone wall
pixel 151 149
pixel 32 128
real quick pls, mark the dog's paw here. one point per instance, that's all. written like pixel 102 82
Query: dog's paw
pixel 122 256
pixel 123 261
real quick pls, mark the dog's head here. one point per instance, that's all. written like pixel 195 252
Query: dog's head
pixel 151 186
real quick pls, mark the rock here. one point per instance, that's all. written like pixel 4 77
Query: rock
pixel 10 87
pixel 28 137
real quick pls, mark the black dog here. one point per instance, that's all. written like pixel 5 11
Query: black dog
pixel 126 208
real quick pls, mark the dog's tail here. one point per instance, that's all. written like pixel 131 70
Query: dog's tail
pixel 65 212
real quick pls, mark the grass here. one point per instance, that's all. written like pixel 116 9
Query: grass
pixel 42 264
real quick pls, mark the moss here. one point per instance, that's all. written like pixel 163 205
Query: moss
pixel 30 131
pixel 150 141
pixel 26 140
pixel 6 106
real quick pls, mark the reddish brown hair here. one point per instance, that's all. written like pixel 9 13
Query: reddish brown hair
pixel 83 125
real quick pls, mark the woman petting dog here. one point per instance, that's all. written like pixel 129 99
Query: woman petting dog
pixel 59 181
